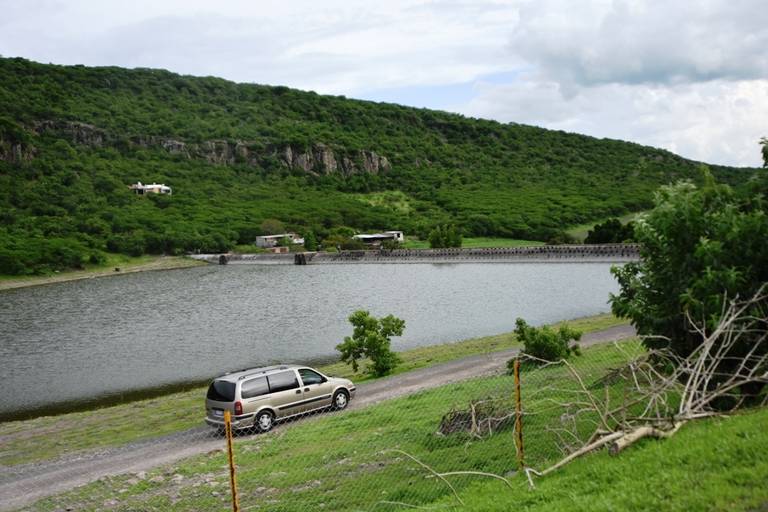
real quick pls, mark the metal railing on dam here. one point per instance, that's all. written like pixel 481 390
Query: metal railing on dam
pixel 607 253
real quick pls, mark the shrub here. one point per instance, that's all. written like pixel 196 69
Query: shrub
pixel 546 343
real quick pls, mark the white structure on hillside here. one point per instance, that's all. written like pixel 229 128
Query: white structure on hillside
pixel 378 238
pixel 154 188
pixel 268 241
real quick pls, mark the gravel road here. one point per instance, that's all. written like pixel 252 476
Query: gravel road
pixel 25 484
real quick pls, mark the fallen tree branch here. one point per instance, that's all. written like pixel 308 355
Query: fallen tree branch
pixel 640 433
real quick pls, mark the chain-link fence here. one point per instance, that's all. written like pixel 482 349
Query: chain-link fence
pixel 417 439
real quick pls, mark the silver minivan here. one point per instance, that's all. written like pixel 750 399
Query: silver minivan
pixel 257 397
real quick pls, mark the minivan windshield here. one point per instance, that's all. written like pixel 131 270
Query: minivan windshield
pixel 221 391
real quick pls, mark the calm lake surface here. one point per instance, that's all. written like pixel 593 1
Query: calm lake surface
pixel 87 339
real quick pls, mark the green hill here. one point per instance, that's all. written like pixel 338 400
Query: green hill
pixel 73 138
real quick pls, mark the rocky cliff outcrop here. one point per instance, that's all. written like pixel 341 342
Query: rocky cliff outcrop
pixel 322 159
pixel 15 152
pixel 77 133
pixel 317 159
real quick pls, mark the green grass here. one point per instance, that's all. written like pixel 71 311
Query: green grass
pixel 415 243
pixel 394 200
pixel 53 436
pixel 713 465
pixel 436 354
pixel 347 461
pixel 344 461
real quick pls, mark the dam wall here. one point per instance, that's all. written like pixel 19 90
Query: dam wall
pixel 607 253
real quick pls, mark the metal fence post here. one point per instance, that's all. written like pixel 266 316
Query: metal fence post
pixel 518 417
pixel 231 457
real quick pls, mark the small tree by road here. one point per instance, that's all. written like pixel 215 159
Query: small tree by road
pixel 545 343
pixel 371 338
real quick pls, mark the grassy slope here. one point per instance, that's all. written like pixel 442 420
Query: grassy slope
pixel 31 440
pixel 716 464
pixel 344 462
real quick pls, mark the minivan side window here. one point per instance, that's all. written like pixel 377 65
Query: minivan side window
pixel 309 377
pixel 254 387
pixel 282 381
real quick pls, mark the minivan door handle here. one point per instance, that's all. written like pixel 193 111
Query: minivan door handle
pixel 306 390
pixel 298 391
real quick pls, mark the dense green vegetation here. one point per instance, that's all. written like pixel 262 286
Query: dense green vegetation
pixel 444 236
pixel 701 247
pixel 64 198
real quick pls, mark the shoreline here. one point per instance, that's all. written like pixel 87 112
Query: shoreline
pixel 414 358
pixel 155 264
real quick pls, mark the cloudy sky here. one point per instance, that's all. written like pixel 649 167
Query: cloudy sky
pixel 688 76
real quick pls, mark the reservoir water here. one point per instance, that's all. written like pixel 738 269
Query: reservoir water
pixel 93 338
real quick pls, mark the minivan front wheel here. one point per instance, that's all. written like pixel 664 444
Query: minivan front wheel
pixel 264 421
pixel 340 400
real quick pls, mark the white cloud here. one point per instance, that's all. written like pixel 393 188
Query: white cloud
pixel 643 41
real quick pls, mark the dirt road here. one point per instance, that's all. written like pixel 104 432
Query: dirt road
pixel 25 484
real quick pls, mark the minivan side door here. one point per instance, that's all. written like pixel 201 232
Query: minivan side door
pixel 317 390
pixel 285 393
pixel 255 393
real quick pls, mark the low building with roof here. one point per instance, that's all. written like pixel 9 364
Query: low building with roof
pixel 154 188
pixel 269 241
pixel 375 239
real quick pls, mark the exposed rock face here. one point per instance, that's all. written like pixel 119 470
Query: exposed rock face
pixel 15 152
pixel 319 159
pixel 77 133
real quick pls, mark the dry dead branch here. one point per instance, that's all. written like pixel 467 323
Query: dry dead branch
pixel 661 391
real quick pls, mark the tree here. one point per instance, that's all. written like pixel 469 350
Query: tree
pixel 371 338
pixel 272 227
pixel 310 241
pixel 764 143
pixel 546 343
pixel 699 247
pixel 612 231
pixel 445 235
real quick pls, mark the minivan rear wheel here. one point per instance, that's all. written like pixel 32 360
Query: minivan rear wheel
pixel 340 400
pixel 264 421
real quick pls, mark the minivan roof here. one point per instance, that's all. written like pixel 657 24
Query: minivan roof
pixel 248 372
